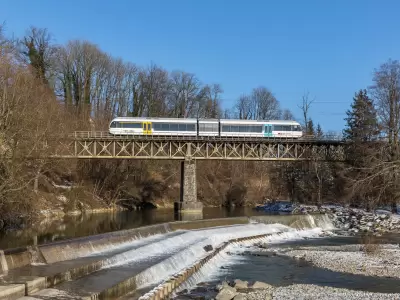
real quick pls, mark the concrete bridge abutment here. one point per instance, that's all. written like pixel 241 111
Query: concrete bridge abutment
pixel 188 189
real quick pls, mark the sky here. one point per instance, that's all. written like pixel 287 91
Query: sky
pixel 327 48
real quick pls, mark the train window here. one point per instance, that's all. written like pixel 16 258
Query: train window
pixel 173 127
pixel 282 128
pixel 165 127
pixel 296 128
pixel 256 129
pixel 113 124
pixel 211 127
pixel 208 127
pixel 226 128
pixel 182 127
pixel 191 127
pixel 131 125
pixel 234 128
pixel 156 126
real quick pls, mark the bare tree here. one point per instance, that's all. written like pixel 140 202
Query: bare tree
pixel 183 94
pixel 305 107
pixel 37 50
pixel 264 104
pixel 4 42
pixel 79 64
pixel 287 115
pixel 154 88
pixel 211 100
pixel 28 117
pixel 244 108
pixel 386 93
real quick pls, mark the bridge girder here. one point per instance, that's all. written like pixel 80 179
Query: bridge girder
pixel 172 148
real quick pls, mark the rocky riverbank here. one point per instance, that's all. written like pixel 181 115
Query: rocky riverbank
pixel 242 290
pixel 369 258
pixel 357 221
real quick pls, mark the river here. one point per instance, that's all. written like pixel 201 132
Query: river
pixel 89 224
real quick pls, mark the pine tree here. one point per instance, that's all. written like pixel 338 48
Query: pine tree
pixel 319 132
pixel 310 127
pixel 362 123
pixel 362 126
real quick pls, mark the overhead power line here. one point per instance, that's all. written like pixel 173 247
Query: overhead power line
pixel 330 102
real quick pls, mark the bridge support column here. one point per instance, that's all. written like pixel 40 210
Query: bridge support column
pixel 188 189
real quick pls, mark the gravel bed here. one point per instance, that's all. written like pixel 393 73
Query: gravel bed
pixel 384 262
pixel 309 291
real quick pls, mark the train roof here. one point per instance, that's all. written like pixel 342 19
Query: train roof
pixel 126 119
pixel 283 122
pixel 240 121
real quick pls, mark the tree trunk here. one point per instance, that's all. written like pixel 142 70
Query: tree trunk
pixel 36 181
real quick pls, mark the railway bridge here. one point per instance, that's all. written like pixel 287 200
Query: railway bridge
pixel 189 149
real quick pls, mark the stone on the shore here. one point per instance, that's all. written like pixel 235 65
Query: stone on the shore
pixel 358 220
pixel 222 285
pixel 239 297
pixel 208 248
pixel 239 284
pixel 227 293
pixel 261 285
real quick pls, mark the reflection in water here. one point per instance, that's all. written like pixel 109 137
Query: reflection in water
pixel 192 216
pixel 84 225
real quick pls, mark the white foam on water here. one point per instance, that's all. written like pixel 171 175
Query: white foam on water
pixel 195 252
pixel 135 241
pixel 213 270
pixel 173 244
pixel 3 263
pixel 311 221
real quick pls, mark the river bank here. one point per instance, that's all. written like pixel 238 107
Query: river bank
pixel 295 271
pixel 343 264
pixel 261 290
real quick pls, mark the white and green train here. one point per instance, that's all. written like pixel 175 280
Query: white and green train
pixel 205 127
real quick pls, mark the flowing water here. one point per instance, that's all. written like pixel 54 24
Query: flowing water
pixel 238 263
pixel 85 225
pixel 152 259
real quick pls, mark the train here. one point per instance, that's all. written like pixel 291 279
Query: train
pixel 205 127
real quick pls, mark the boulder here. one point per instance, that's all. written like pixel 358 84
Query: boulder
pixel 261 285
pixel 239 284
pixel 239 297
pixel 222 285
pixel 226 293
pixel 208 248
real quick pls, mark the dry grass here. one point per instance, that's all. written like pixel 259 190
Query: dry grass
pixel 370 244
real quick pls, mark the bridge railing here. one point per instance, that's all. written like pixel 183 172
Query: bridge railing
pixel 105 135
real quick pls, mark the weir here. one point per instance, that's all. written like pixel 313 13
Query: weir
pixel 188 189
pixel 131 263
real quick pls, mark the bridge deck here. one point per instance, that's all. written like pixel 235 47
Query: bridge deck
pixel 104 135
pixel 100 144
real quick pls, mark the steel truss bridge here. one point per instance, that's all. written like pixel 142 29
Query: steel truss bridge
pixel 95 145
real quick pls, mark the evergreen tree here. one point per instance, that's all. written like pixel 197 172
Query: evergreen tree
pixel 362 123
pixel 310 127
pixel 362 127
pixel 319 132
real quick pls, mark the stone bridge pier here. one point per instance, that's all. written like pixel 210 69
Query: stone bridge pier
pixel 188 189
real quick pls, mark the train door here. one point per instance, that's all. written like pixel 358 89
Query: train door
pixel 268 130
pixel 146 128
